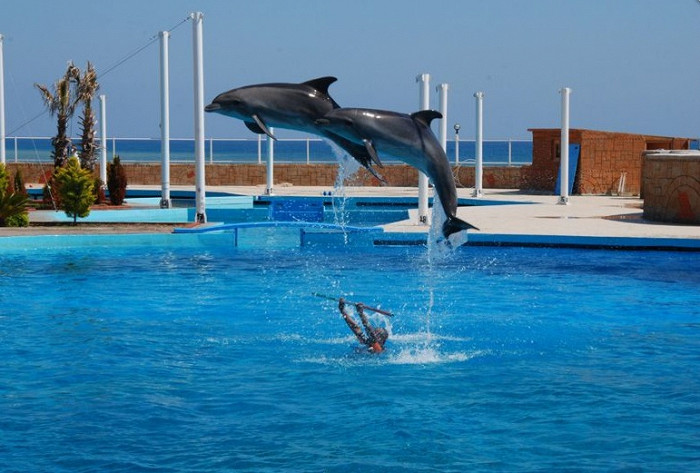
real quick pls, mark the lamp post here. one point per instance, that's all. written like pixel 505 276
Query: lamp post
pixel 457 144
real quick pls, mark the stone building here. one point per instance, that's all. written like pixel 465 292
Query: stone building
pixel 608 163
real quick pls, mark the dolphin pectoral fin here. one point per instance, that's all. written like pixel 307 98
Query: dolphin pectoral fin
pixel 262 127
pixel 372 152
pixel 252 126
pixel 454 225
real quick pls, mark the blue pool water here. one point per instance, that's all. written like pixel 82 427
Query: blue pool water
pixel 205 357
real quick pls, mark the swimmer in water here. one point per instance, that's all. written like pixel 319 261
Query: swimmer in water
pixel 373 337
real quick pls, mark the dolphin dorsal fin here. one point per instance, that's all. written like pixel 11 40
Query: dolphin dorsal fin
pixel 321 84
pixel 426 116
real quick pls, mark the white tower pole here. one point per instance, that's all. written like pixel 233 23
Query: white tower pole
pixel 479 171
pixel 270 163
pixel 442 94
pixel 103 139
pixel 2 103
pixel 424 104
pixel 564 151
pixel 200 182
pixel 164 122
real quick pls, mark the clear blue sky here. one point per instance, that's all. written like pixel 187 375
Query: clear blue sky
pixel 633 65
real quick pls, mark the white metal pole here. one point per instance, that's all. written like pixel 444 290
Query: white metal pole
pixel 270 163
pixel 479 171
pixel 164 122
pixel 2 103
pixel 200 182
pixel 442 94
pixel 424 104
pixel 103 138
pixel 564 148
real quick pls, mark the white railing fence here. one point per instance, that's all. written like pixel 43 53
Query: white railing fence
pixel 506 152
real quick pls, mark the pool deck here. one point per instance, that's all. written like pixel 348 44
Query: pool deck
pixel 518 219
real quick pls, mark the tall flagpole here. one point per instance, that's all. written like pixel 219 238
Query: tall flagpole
pixel 2 103
pixel 164 122
pixel 200 181
pixel 424 104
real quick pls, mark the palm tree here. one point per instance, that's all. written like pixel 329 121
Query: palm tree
pixel 61 103
pixel 86 89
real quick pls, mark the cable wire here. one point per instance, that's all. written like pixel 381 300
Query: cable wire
pixel 129 56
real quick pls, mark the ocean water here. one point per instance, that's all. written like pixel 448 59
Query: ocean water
pixel 215 358
pixel 515 152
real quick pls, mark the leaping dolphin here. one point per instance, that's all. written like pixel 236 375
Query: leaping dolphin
pixel 407 138
pixel 291 106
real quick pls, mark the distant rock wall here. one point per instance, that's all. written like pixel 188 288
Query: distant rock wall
pixel 495 177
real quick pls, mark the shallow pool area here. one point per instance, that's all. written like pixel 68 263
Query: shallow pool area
pixel 199 355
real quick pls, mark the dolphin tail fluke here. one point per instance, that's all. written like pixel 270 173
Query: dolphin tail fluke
pixel 454 225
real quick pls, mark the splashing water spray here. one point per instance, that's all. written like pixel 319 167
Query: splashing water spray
pixel 347 167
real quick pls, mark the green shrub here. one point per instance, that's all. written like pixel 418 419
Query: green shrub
pixel 19 183
pixel 116 181
pixel 18 220
pixel 75 187
pixel 99 191
pixel 13 205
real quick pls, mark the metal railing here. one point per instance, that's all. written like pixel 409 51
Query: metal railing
pixel 507 152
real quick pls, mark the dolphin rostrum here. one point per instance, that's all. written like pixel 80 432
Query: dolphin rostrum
pixel 285 105
pixel 407 138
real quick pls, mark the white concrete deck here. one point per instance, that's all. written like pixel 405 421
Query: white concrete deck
pixel 519 218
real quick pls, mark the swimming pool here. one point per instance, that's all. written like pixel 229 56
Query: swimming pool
pixel 201 356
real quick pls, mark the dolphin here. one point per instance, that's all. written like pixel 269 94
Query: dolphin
pixel 407 138
pixel 290 106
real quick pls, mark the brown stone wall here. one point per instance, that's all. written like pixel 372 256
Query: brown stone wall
pixel 604 158
pixel 295 174
pixel 672 187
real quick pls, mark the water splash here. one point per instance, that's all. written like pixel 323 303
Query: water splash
pixel 429 355
pixel 347 167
